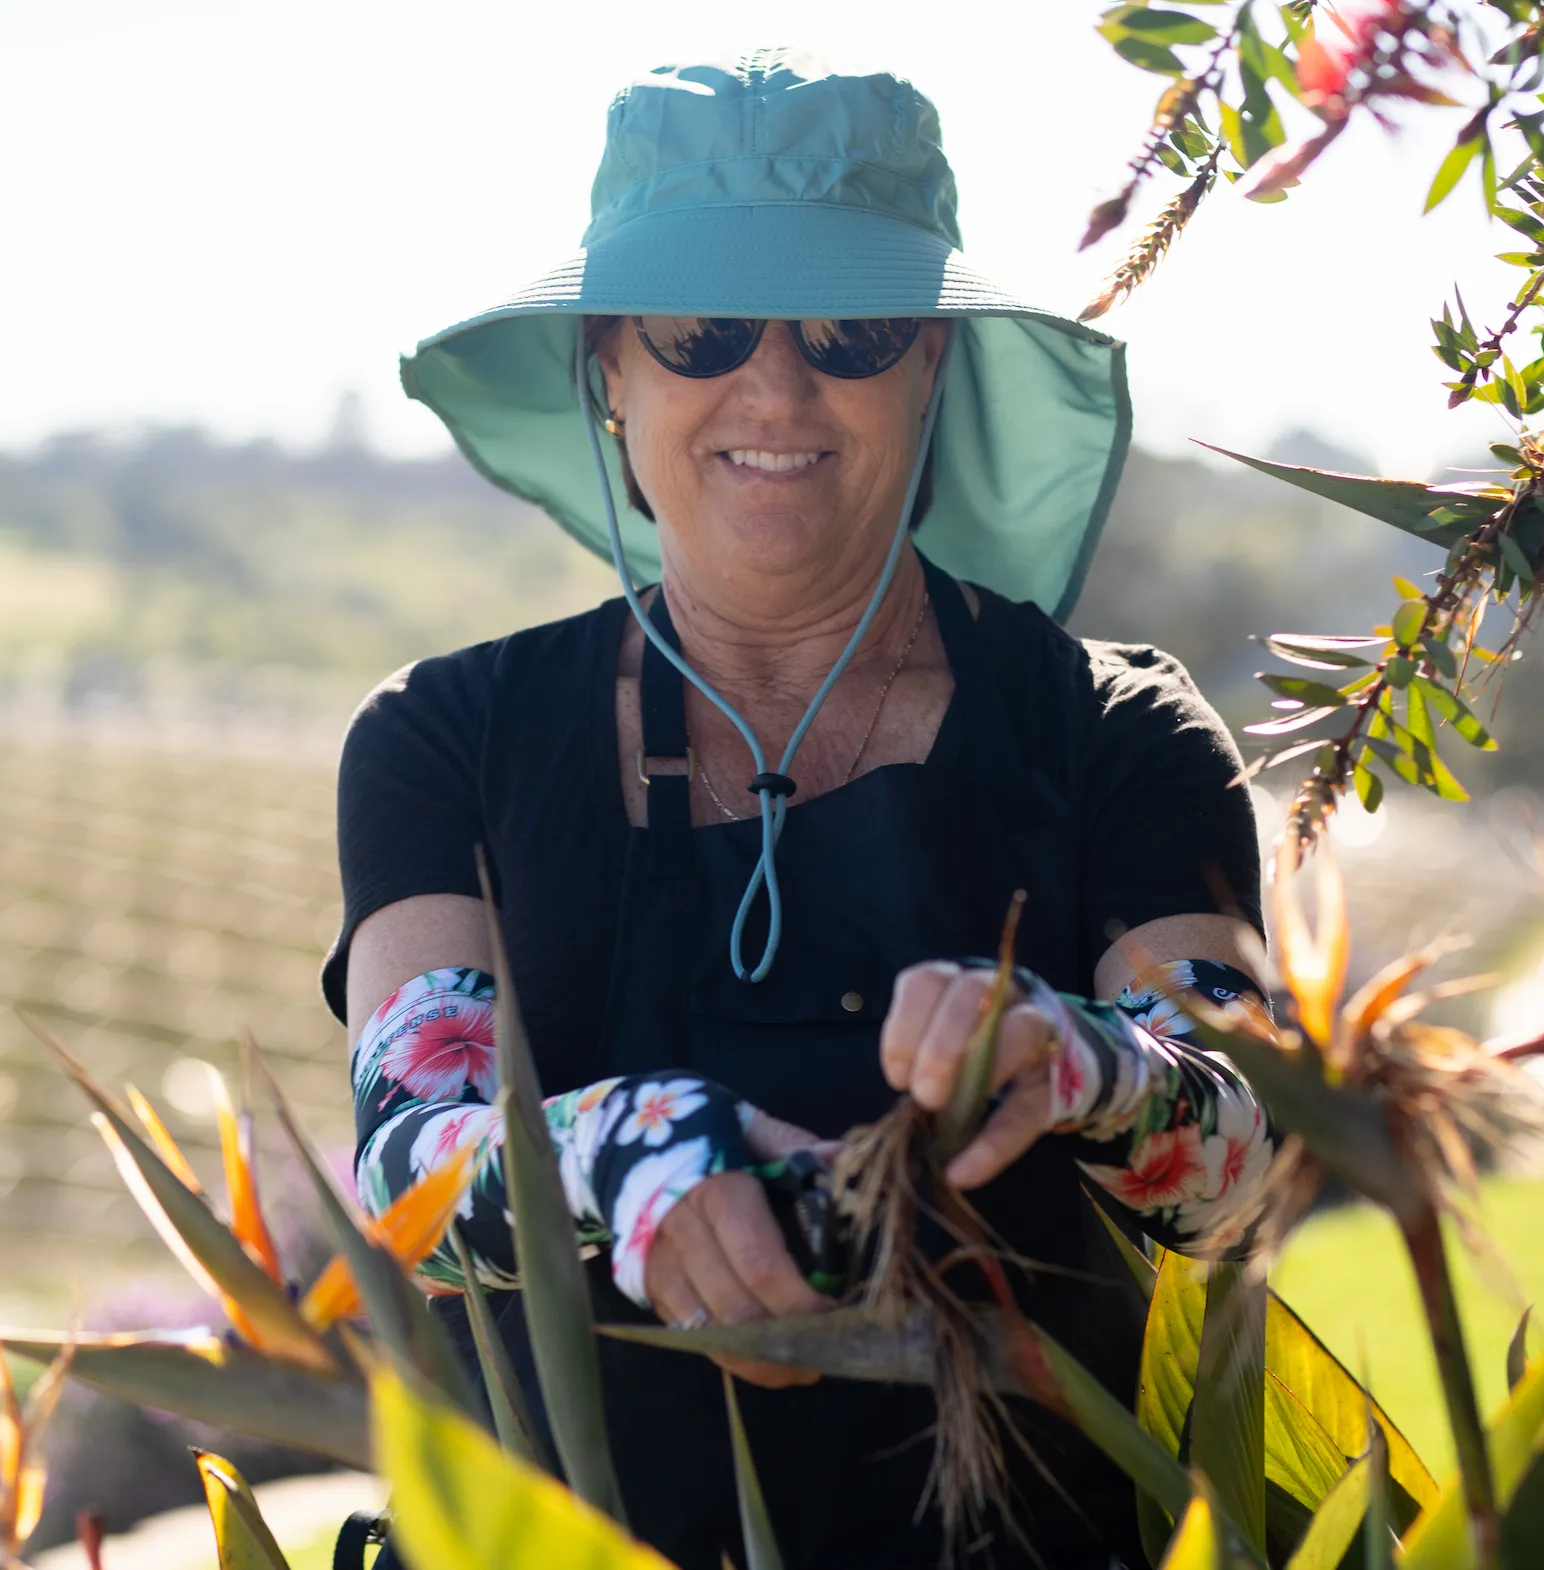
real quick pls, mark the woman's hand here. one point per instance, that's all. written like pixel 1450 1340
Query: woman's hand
pixel 922 1046
pixel 719 1252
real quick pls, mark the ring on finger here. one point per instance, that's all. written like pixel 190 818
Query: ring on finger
pixel 694 1320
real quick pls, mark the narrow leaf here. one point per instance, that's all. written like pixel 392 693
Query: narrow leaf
pixel 1335 1523
pixel 1143 1271
pixel 1406 504
pixel 459 1502
pixel 398 1313
pixel 410 1230
pixel 956 1124
pixel 1322 653
pixel 1227 1428
pixel 1285 727
pixel 555 1293
pixel 241 1535
pixel 257 1305
pixel 1455 711
pixel 1301 688
pixel 512 1418
pixel 205 1377
pixel 169 1150
pixel 1517 1352
pixel 761 1550
pixel 241 1184
pixel 1377 1538
pixel 1451 171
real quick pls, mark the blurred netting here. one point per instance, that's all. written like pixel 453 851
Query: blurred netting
pixel 154 904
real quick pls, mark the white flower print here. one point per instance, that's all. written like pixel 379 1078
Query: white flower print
pixel 647 1194
pixel 656 1106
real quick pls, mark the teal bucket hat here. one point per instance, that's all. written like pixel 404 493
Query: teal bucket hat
pixel 773 186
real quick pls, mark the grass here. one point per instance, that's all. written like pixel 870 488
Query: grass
pixel 1347 1274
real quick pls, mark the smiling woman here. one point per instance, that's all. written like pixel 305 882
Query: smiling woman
pixel 720 961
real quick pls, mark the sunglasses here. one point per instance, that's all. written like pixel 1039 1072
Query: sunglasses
pixel 703 346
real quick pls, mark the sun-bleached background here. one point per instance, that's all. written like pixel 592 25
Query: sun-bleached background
pixel 231 211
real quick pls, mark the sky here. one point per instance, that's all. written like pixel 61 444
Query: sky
pixel 232 212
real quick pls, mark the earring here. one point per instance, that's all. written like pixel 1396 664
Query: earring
pixel 616 426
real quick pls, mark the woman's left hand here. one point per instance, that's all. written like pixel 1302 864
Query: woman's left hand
pixel 922 1044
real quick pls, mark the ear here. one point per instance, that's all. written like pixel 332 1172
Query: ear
pixel 605 335
pixel 932 340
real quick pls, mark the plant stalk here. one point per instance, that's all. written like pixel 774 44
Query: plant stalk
pixel 1428 1254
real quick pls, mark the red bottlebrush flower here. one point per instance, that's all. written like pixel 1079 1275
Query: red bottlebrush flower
pixel 1324 64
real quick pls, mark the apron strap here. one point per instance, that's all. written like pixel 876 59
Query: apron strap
pixel 662 701
pixel 1020 788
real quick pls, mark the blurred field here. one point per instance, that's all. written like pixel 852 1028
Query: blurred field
pixel 154 902
pixel 1346 1272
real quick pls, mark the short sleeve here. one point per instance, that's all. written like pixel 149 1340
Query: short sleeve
pixel 409 798
pixel 1169 826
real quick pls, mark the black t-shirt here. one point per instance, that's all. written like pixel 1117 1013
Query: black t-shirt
pixel 1148 768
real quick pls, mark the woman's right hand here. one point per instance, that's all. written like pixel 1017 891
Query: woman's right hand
pixel 719 1253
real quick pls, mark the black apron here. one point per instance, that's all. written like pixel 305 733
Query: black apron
pixel 908 862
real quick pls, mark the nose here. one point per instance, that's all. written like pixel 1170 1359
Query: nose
pixel 777 376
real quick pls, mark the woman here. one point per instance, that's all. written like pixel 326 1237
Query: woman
pixel 768 310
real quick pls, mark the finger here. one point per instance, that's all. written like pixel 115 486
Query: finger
pixel 918 990
pixel 700 1249
pixel 770 1376
pixel 668 1287
pixel 1005 1136
pixel 735 1207
pixel 770 1137
pixel 946 1038
pixel 1023 1044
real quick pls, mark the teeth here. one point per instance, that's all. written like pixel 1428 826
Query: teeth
pixel 774 462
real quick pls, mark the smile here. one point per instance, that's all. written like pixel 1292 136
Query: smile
pixel 771 462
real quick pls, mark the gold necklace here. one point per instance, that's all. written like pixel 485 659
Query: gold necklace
pixel 857 757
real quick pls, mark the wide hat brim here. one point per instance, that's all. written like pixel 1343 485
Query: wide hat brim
pixel 1032 431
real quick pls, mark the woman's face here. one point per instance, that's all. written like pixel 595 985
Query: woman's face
pixel 774 467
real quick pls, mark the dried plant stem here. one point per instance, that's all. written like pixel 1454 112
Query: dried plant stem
pixel 1428 1254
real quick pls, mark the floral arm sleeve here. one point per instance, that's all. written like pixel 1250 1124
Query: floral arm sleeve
pixel 1168 1129
pixel 424 1072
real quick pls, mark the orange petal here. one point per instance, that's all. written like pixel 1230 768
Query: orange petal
pixel 1313 965
pixel 241 1185
pixel 164 1143
pixel 410 1231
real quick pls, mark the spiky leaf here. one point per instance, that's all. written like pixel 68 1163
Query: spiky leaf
pixel 242 1537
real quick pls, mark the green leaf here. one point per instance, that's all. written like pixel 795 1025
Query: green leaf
pixel 1377 1538
pixel 1202 1540
pixel 1516 559
pixel 1143 1271
pixel 1170 159
pixel 1441 656
pixel 1335 1523
pixel 1406 504
pixel 1451 171
pixel 1407 622
pixel 1227 1426
pixel 1416 716
pixel 761 1550
pixel 1193 144
pixel 1321 653
pixel 1302 689
pixel 1337 1401
pixel 554 1291
pixel 1440 1538
pixel 460 1502
pixel 1517 1352
pixel 1167 27
pixel 1369 787
pixel 1302 1462
pixel 210 1380
pixel 1454 710
pixel 1292 722
pixel 512 1418
pixel 1149 56
pixel 242 1537
pixel 1399 670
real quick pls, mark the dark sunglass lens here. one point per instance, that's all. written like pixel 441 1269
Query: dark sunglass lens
pixel 698 345
pixel 857 347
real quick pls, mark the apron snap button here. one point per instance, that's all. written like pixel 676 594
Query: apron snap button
pixel 852 1001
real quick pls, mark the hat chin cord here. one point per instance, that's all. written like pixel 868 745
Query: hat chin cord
pixel 774 789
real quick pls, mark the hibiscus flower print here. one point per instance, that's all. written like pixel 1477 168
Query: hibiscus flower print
pixel 657 1106
pixel 1164 1169
pixel 443 1050
pixel 1165 1018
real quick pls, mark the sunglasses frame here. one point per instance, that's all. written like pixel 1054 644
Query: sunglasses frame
pixel 801 343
